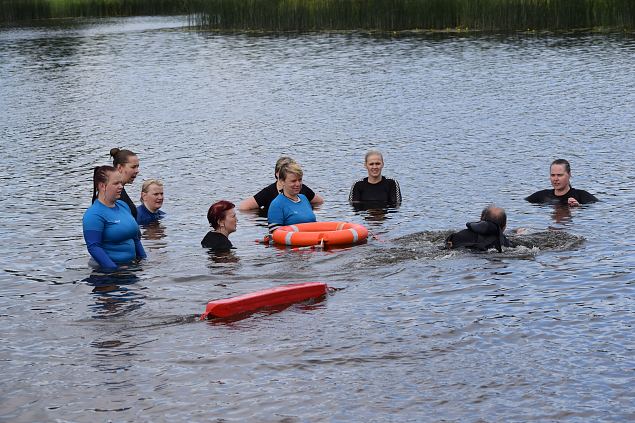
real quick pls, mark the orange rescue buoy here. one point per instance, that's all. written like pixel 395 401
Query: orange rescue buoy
pixel 281 295
pixel 314 233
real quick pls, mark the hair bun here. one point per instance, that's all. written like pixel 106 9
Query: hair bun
pixel 114 151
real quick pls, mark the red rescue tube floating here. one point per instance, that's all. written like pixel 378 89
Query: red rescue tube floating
pixel 285 294
pixel 314 233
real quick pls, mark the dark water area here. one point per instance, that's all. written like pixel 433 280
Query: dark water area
pixel 541 332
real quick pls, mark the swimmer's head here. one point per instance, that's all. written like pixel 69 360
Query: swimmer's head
pixel 560 175
pixel 290 168
pixel 101 176
pixel 283 160
pixel 126 162
pixel 495 215
pixel 218 211
pixel 563 162
pixel 370 153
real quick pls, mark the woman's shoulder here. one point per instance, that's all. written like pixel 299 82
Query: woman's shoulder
pixel 216 241
pixel 278 199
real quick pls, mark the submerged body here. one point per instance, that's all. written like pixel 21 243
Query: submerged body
pixel 216 241
pixel 145 216
pixel 481 236
pixel 384 193
pixel 549 196
pixel 285 211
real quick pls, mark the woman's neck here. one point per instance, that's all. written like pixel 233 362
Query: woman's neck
pixel 150 209
pixel 292 197
pixel 106 202
pixel 374 179
pixel 222 231
pixel 563 191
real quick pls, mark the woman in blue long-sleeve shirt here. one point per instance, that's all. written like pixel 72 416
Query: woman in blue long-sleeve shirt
pixel 111 233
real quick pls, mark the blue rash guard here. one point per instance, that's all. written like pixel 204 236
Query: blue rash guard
pixel 145 216
pixel 112 234
pixel 284 211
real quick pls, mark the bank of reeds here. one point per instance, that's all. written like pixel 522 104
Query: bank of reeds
pixel 371 15
pixel 25 10
pixel 401 15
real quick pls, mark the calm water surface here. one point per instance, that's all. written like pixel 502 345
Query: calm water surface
pixel 542 333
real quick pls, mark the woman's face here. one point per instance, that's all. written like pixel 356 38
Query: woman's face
pixel 559 177
pixel 130 170
pixel 111 190
pixel 374 165
pixel 153 199
pixel 292 184
pixel 229 222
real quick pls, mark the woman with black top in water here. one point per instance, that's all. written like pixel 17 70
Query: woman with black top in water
pixel 222 216
pixel 265 196
pixel 562 193
pixel 375 190
pixel 127 163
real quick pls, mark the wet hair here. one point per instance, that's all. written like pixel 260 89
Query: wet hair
pixel 373 153
pixel 146 184
pixel 101 174
pixel 217 211
pixel 495 215
pixel 292 167
pixel 120 157
pixel 567 166
pixel 283 160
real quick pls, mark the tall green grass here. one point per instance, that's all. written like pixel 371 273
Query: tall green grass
pixel 372 15
pixel 24 10
pixel 400 15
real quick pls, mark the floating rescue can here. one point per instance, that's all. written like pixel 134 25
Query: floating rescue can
pixel 320 233
pixel 281 295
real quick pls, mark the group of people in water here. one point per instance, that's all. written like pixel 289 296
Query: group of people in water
pixel 111 223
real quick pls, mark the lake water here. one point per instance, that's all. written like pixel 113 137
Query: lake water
pixel 414 333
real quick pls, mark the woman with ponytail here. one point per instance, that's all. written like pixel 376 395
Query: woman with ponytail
pixel 111 233
pixel 127 163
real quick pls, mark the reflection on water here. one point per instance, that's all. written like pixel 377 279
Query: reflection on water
pixel 153 231
pixel 115 294
pixel 221 257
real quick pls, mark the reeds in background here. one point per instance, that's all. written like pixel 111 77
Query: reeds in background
pixel 371 15
pixel 400 15
pixel 25 10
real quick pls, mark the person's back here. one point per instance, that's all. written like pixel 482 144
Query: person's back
pixel 484 234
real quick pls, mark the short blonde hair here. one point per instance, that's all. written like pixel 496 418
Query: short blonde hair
pixel 146 184
pixel 292 167
pixel 373 153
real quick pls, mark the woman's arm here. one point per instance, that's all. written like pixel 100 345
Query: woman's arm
pixel 275 216
pixel 138 248
pixel 93 240
pixel 317 200
pixel 248 204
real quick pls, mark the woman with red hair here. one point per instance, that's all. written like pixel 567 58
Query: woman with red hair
pixel 222 216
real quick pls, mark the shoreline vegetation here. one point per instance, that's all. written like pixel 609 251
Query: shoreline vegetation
pixel 405 17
